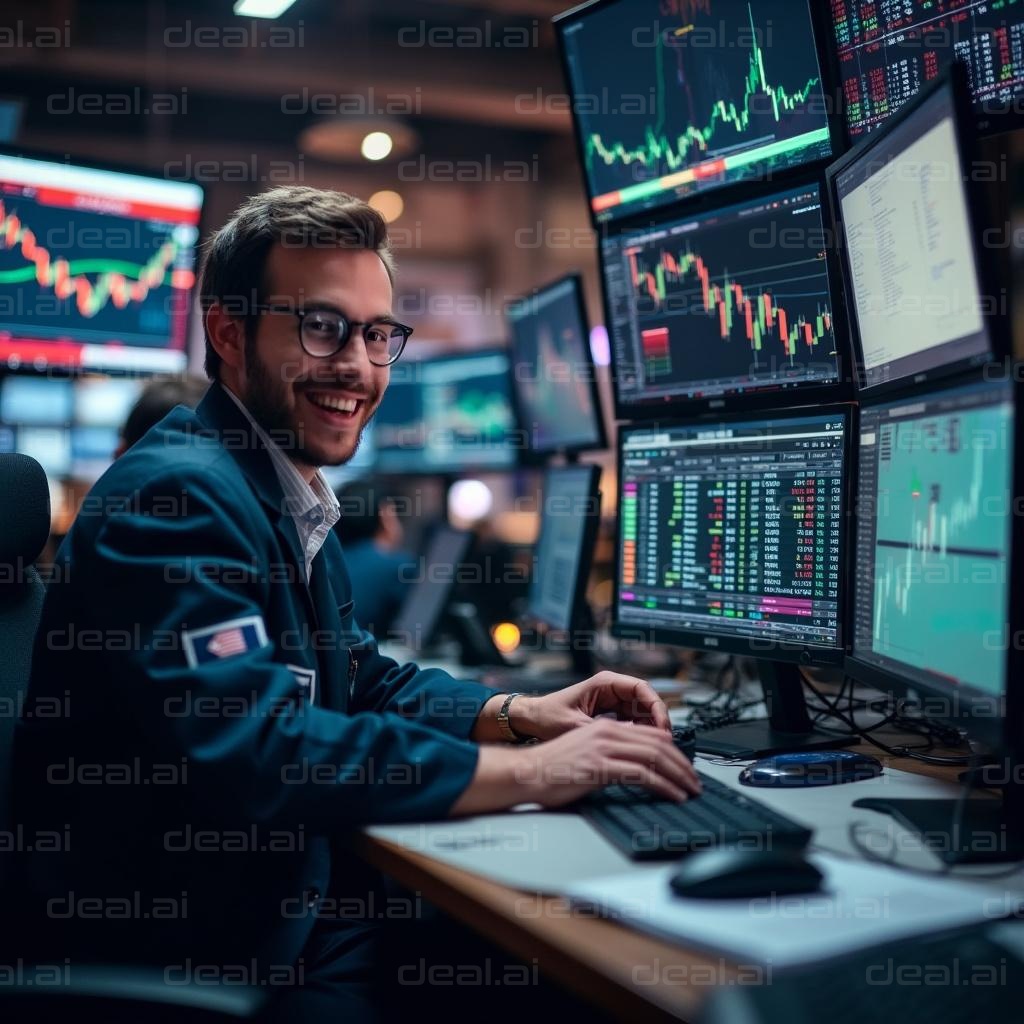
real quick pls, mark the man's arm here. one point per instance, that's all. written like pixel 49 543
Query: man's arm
pixel 161 578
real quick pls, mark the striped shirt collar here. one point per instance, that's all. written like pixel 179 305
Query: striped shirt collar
pixel 313 506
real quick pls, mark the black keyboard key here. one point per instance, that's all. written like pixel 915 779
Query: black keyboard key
pixel 645 826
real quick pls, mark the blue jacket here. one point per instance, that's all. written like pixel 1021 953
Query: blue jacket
pixel 202 727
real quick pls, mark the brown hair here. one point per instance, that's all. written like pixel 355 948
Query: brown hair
pixel 235 257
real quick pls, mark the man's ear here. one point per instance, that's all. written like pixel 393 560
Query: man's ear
pixel 227 336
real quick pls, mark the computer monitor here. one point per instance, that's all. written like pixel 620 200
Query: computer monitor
pixel 553 376
pixel 92 451
pixel 674 99
pixel 937 546
pixel 570 515
pixel 97 265
pixel 732 537
pixel 908 231
pixel 416 624
pixel 448 415
pixel 49 446
pixel 887 52
pixel 723 308
pixel 935 504
pixel 35 401
pixel 105 401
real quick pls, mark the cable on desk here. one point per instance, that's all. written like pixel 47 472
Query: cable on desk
pixel 933 732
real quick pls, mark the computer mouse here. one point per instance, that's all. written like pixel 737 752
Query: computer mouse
pixel 735 874
pixel 811 768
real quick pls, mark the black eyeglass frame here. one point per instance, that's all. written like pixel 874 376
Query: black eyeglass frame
pixel 345 328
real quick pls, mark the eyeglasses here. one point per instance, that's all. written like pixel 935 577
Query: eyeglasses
pixel 325 332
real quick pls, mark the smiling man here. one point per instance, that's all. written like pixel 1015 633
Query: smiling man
pixel 229 720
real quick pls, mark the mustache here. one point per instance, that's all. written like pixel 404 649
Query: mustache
pixel 352 386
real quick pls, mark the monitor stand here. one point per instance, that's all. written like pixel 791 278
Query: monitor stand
pixel 989 831
pixel 788 728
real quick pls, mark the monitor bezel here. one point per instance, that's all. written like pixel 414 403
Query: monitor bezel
pixel 839 390
pixel 588 541
pixel 829 86
pixel 89 163
pixel 780 651
pixel 532 454
pixel 451 469
pixel 991 729
pixel 954 79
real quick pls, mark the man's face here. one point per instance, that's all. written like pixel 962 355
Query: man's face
pixel 286 389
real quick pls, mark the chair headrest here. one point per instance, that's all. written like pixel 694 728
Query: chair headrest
pixel 24 509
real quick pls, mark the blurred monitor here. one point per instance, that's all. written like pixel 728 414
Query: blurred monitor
pixel 672 98
pixel 96 266
pixel 569 520
pixel 887 52
pixel 911 249
pixel 49 446
pixel 35 401
pixel 105 401
pixel 449 414
pixel 10 118
pixel 553 371
pixel 92 451
pixel 416 624
pixel 729 305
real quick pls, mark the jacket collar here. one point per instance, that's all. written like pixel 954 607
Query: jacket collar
pixel 218 414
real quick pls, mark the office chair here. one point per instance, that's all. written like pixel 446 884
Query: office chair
pixel 110 992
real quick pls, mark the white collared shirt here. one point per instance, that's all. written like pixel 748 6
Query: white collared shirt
pixel 314 507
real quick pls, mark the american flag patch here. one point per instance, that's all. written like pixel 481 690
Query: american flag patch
pixel 224 640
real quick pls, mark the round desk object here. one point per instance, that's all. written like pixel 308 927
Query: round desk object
pixel 811 768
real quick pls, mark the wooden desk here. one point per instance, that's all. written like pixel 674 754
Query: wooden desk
pixel 630 975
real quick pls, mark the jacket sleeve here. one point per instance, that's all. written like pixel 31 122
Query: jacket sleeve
pixel 164 570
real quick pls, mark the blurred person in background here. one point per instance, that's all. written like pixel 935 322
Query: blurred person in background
pixel 372 538
pixel 158 398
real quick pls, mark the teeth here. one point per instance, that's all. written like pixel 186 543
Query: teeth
pixel 332 402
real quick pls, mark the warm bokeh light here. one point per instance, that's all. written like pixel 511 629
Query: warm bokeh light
pixel 506 636
pixel 376 145
pixel 388 204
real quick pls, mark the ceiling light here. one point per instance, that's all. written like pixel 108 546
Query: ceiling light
pixel 261 8
pixel 376 145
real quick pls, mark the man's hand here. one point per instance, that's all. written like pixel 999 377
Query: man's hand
pixel 587 758
pixel 632 700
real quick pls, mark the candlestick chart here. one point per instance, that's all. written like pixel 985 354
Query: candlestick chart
pixel 711 307
pixel 92 276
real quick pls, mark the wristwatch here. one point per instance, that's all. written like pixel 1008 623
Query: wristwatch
pixel 505 726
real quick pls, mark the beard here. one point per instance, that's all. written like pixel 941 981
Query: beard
pixel 267 399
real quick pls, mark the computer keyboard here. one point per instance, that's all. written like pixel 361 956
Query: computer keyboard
pixel 646 826
pixel 975 974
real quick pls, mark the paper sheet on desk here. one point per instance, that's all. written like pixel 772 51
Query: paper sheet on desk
pixel 860 905
pixel 539 851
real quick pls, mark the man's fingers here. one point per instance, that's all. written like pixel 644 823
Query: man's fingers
pixel 630 773
pixel 633 698
pixel 656 754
